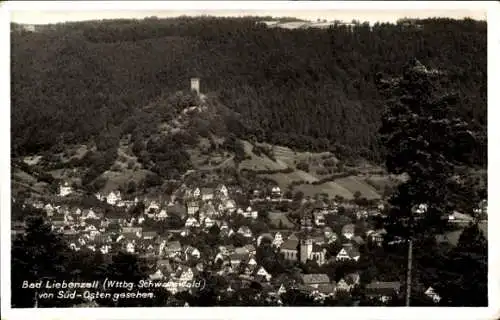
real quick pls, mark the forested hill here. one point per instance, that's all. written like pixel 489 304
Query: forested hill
pixel 304 88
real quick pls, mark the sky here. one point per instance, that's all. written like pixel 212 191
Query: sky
pixel 28 13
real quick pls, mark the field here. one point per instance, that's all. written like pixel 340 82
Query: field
pixel 122 178
pixel 277 216
pixel 285 179
pixel 354 184
pixel 331 188
pixel 261 162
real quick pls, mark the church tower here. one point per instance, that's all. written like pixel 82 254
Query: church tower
pixel 306 247
pixel 306 243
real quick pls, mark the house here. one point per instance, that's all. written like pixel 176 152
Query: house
pixel 252 263
pixel 314 280
pixel 261 274
pixel 191 222
pixel 191 253
pixel 348 252
pixel 237 258
pixel 376 237
pixel 133 230
pixel 186 274
pixel 278 240
pixel 113 197
pixel 197 193
pixel 317 254
pixel 458 218
pixel 432 295
pixel 348 231
pixel 361 214
pixel 153 207
pixel 382 291
pixel 208 210
pixel 281 290
pixel 173 249
pixel 289 248
pixel 192 207
pixel 331 238
pixel 223 191
pixel 249 213
pixel 319 218
pixel 275 192
pixel 325 290
pixel 162 215
pixel 65 189
pixel 207 194
pixel 130 247
pixel 245 231
pixel 208 222
pixel 251 249
pixel 158 275
pixel 148 235
pixel 348 282
pixel 230 205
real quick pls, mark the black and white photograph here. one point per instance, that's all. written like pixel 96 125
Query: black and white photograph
pixel 294 156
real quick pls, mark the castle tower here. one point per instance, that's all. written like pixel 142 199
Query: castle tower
pixel 195 85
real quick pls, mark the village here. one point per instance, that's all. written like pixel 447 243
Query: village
pixel 164 231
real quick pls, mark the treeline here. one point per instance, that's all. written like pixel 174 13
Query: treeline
pixel 308 89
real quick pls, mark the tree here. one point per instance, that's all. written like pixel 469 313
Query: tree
pixel 37 255
pixel 357 195
pixel 124 267
pixel 298 196
pixel 464 278
pixel 427 140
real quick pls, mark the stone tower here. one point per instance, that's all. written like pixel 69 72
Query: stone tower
pixel 195 85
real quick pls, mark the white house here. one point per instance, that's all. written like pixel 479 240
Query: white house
pixel 113 197
pixel 192 252
pixel 278 240
pixel 348 252
pixel 263 273
pixel 209 222
pixel 162 215
pixel 130 247
pixel 191 222
pixel 348 231
pixel 153 206
pixel 186 275
pixel 250 213
pixel 230 205
pixel 276 191
pixel 65 189
pixel 433 295
pixel 245 231
pixel 197 193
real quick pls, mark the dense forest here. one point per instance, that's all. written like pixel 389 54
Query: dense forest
pixel 305 88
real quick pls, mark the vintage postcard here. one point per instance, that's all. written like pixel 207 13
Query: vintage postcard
pixel 213 155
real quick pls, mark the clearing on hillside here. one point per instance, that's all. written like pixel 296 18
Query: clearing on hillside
pixel 285 179
pixel 259 162
pixel 332 189
pixel 354 184
pixel 117 179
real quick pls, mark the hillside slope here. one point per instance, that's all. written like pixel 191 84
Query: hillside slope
pixel 309 89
